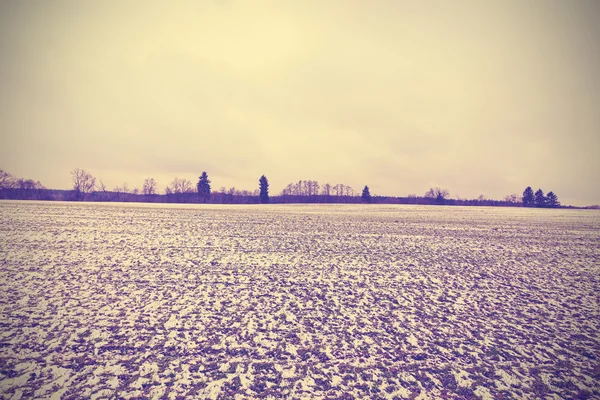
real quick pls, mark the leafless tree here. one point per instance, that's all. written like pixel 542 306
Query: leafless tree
pixel 149 187
pixel 25 183
pixel 349 191
pixel 7 180
pixel 326 189
pixel 338 190
pixel 102 187
pixel 181 185
pixel 83 183
pixel 27 188
pixel 287 191
pixel 437 193
pixel 511 198
pixel 314 188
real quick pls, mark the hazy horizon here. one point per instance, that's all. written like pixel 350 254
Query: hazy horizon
pixel 479 98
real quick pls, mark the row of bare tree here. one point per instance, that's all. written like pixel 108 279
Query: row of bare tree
pixel 20 188
pixel 311 188
pixel 84 184
pixel 8 181
pixel 179 190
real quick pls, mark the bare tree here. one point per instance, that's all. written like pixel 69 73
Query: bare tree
pixel 25 184
pixel 181 185
pixel 349 191
pixel 337 190
pixel 308 188
pixel 438 194
pixel 149 187
pixel 83 183
pixel 315 188
pixel 29 188
pixel 326 189
pixel 7 180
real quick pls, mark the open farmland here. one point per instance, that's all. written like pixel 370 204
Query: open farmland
pixel 306 301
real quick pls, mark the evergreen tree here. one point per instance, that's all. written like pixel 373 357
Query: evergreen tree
pixel 366 195
pixel 540 199
pixel 528 198
pixel 264 189
pixel 204 186
pixel 552 200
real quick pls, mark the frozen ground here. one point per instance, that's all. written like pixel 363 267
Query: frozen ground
pixel 315 302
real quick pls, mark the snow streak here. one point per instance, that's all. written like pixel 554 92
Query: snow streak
pixel 323 301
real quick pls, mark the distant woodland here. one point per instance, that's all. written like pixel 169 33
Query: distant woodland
pixel 86 187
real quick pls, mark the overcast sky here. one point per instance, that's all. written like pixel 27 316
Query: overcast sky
pixel 479 97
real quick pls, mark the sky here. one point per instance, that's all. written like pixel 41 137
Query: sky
pixel 478 97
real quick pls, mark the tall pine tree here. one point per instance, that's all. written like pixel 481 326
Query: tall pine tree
pixel 366 195
pixel 528 197
pixel 552 200
pixel 204 186
pixel 540 199
pixel 264 189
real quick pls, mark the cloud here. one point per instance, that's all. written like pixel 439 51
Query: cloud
pixel 475 97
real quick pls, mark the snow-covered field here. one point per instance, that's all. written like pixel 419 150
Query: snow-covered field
pixel 298 301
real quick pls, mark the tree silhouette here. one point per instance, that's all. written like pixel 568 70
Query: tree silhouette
pixel 366 195
pixel 7 180
pixel 149 187
pixel 181 185
pixel 552 200
pixel 528 197
pixel 438 194
pixel 204 186
pixel 83 183
pixel 540 199
pixel 264 189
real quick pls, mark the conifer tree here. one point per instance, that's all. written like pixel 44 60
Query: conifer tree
pixel 540 199
pixel 264 189
pixel 366 195
pixel 204 186
pixel 528 197
pixel 552 200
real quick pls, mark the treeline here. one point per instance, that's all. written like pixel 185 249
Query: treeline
pixel 181 190
pixel 21 188
pixel 538 199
